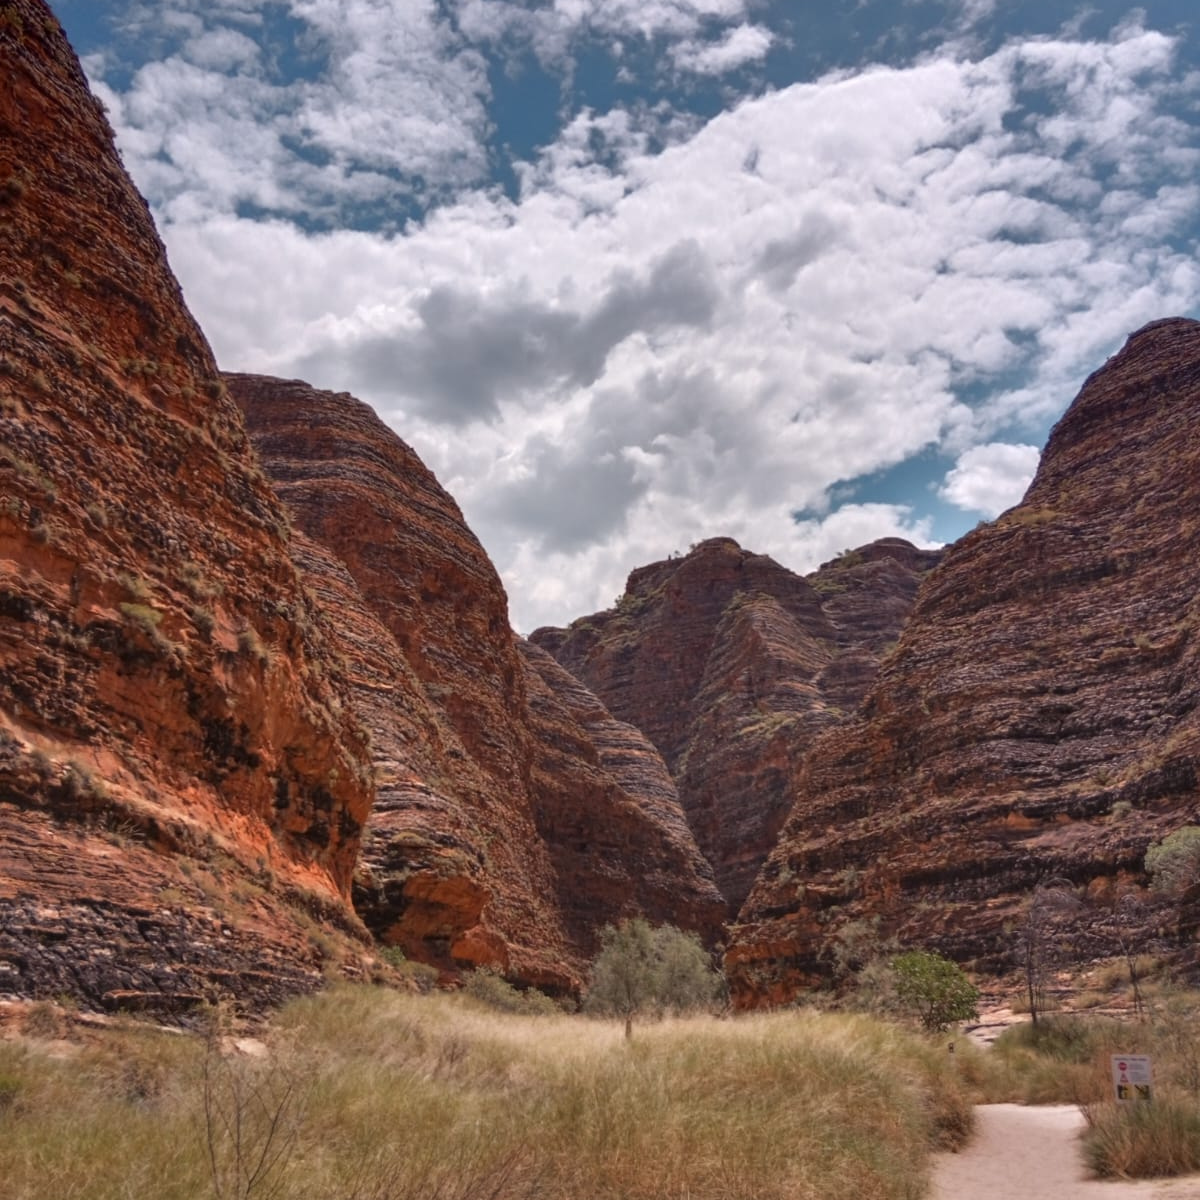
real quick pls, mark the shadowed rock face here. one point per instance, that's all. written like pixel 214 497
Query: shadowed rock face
pixel 731 664
pixel 610 815
pixel 514 815
pixel 1039 716
pixel 176 763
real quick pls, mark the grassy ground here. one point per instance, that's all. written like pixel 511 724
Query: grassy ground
pixel 368 1094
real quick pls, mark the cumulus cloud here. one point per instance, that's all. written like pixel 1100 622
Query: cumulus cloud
pixel 646 346
pixel 988 479
pixel 392 101
pixel 468 352
pixel 971 12
pixel 556 22
pixel 741 45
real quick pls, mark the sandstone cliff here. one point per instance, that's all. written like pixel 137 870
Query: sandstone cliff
pixel 1039 716
pixel 731 665
pixel 181 788
pixel 514 815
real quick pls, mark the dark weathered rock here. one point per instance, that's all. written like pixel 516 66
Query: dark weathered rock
pixel 731 664
pixel 167 702
pixel 1038 718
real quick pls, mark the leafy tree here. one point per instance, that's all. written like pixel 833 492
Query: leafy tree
pixel 935 989
pixel 1174 863
pixel 641 969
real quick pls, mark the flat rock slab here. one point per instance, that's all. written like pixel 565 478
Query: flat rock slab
pixel 1024 1152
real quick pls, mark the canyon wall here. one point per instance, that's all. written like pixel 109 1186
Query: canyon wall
pixel 182 786
pixel 515 816
pixel 1038 718
pixel 731 665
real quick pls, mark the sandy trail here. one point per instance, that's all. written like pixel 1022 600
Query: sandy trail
pixel 1032 1153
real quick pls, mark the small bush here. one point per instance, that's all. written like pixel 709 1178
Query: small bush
pixel 421 975
pixel 1174 863
pixel 1063 1040
pixel 136 587
pixel 250 643
pixel 203 619
pixel 935 989
pixel 142 615
pixel 489 987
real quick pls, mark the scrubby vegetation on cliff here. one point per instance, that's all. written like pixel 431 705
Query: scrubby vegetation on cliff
pixel 367 1093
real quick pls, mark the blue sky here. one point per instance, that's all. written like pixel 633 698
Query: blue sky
pixel 632 273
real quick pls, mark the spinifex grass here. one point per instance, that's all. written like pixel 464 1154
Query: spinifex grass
pixel 1068 1059
pixel 374 1095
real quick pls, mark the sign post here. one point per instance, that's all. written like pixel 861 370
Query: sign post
pixel 1131 1076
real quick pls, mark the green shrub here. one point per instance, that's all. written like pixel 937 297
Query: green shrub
pixel 1174 863
pixel 934 989
pixel 489 987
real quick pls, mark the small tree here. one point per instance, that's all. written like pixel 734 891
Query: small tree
pixel 642 969
pixel 935 989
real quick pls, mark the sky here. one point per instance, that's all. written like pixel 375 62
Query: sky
pixel 629 274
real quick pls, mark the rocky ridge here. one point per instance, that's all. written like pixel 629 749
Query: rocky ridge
pixel 182 787
pixel 731 665
pixel 1039 717
pixel 514 815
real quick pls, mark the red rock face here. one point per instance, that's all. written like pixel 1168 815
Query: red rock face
pixel 731 665
pixel 515 817
pixel 1039 718
pixel 171 723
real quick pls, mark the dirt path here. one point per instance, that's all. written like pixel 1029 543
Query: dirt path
pixel 1032 1153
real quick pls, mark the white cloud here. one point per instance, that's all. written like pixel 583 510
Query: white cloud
pixel 552 31
pixel 855 525
pixel 221 50
pixel 647 348
pixel 990 478
pixel 972 12
pixel 396 104
pixel 400 92
pixel 742 45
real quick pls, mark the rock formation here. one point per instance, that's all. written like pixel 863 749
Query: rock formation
pixel 181 785
pixel 514 815
pixel 731 664
pixel 1038 719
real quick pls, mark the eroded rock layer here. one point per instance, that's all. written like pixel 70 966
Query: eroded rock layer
pixel 1038 719
pixel 731 664
pixel 514 815
pixel 181 789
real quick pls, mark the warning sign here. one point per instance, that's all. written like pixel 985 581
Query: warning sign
pixel 1131 1076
